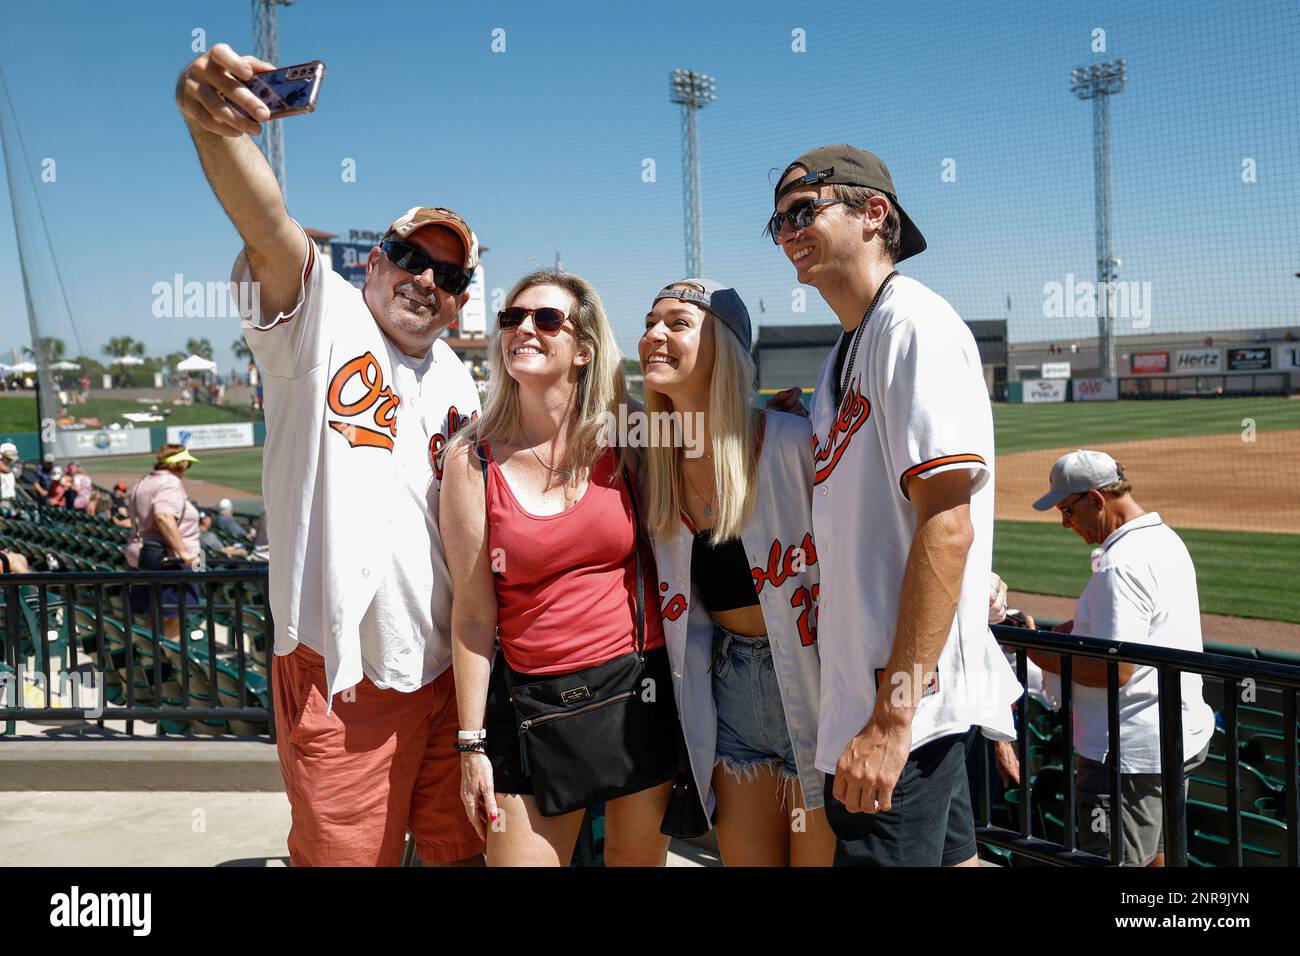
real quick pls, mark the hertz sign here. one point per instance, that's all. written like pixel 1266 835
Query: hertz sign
pixel 1197 360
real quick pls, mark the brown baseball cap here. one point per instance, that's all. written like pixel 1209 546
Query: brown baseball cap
pixel 420 216
pixel 847 165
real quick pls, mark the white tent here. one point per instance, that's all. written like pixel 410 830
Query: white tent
pixel 196 363
pixel 127 360
pixel 24 368
pixel 65 366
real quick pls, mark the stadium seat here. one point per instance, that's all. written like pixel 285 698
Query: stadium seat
pixel 1263 841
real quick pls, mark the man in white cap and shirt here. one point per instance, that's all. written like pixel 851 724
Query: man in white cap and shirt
pixel 1142 591
pixel 8 476
pixel 224 519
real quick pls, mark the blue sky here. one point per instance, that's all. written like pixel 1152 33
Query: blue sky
pixel 542 147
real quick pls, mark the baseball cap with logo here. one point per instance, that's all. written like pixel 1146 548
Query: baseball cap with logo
pixel 1076 472
pixel 845 165
pixel 720 301
pixel 420 216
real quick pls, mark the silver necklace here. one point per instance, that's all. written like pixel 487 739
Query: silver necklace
pixel 708 505
pixel 566 474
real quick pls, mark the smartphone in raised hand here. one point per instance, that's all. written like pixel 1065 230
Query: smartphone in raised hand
pixel 287 90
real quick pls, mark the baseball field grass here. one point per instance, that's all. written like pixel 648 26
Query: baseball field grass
pixel 234 467
pixel 1246 574
pixel 18 412
pixel 1088 424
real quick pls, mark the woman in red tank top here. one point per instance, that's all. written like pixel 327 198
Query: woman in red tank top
pixel 539 526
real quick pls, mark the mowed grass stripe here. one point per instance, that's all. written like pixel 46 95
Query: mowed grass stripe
pixel 235 467
pixel 18 413
pixel 1239 573
pixel 1084 424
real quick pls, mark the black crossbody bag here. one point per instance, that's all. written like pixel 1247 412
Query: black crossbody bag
pixel 602 732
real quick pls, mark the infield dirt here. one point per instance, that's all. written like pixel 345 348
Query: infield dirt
pixel 1217 482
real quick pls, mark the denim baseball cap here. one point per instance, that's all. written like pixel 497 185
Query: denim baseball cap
pixel 720 301
pixel 1076 472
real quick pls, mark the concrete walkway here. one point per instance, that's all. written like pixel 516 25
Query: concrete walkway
pixel 169 828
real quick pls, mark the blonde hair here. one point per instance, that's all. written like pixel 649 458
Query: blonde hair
pixel 733 427
pixel 600 389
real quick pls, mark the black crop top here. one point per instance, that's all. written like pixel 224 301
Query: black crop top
pixel 722 574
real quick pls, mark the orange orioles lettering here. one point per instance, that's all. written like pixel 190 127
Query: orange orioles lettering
pixel 455 422
pixel 378 396
pixel 854 412
pixel 671 609
pixel 781 564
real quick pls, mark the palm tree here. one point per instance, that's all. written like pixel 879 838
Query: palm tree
pixel 48 350
pixel 241 349
pixel 123 345
pixel 199 347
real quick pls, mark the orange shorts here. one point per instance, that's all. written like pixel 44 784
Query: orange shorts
pixel 378 765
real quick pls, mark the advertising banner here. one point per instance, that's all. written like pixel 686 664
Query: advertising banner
pixel 1149 363
pixel 91 442
pixel 473 317
pixel 1096 390
pixel 1250 360
pixel 1197 360
pixel 349 260
pixel 1288 357
pixel 230 435
pixel 1042 390
pixel 1056 370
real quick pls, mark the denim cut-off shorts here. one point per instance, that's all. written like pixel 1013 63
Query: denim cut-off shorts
pixel 751 720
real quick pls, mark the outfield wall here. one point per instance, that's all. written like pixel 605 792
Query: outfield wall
pixel 101 442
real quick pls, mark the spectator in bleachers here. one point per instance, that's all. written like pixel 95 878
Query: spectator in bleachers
pixel 82 488
pixel 166 534
pixel 100 506
pixel 8 476
pixel 119 495
pixel 209 538
pixel 225 519
pixel 44 477
pixel 58 488
pixel 1142 591
pixel 11 562
pixel 261 542
pixel 121 516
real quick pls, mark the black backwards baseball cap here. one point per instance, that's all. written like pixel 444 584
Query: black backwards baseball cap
pixel 845 165
pixel 720 301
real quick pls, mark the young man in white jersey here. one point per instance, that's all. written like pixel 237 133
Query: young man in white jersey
pixel 903 521
pixel 360 398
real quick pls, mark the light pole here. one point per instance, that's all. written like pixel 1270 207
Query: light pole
pixel 693 91
pixel 1099 83
pixel 266 46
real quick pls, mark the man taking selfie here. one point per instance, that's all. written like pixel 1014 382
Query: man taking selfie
pixel 359 395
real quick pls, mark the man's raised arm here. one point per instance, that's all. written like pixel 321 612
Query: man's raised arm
pixel 238 172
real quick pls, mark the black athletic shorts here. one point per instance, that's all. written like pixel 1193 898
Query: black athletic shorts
pixel 929 822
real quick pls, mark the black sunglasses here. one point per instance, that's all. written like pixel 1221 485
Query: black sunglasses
pixel 544 320
pixel 447 276
pixel 1068 510
pixel 800 215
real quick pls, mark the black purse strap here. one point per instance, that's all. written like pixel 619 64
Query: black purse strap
pixel 640 570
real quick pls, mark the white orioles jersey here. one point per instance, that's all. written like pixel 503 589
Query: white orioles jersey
pixel 350 482
pixel 914 405
pixel 784 565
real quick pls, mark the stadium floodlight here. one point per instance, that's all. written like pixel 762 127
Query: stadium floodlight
pixel 693 91
pixel 1099 83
